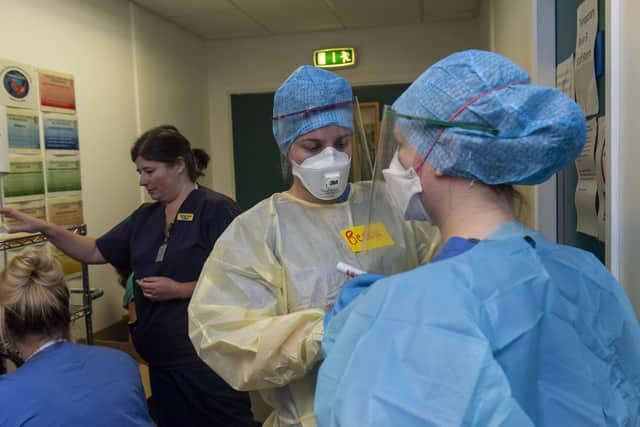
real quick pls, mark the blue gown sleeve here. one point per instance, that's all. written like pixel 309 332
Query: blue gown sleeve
pixel 400 359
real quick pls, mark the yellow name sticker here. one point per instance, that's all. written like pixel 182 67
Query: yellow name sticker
pixel 376 237
pixel 184 216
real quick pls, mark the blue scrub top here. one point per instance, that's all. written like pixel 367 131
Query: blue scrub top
pixel 453 247
pixel 160 334
pixel 74 385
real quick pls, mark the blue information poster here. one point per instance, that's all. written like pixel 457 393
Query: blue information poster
pixel 23 129
pixel 60 131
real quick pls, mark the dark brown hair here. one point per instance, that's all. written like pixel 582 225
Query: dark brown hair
pixel 165 144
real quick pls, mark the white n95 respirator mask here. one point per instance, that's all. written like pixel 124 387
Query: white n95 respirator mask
pixel 326 174
pixel 405 189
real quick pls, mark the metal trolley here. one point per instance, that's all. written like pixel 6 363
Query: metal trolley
pixel 78 311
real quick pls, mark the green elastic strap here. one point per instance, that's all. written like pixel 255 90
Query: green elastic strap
pixel 442 123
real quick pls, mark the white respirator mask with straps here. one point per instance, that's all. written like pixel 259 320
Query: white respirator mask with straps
pixel 326 174
pixel 405 189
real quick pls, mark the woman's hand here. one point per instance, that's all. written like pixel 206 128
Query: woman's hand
pixel 159 288
pixel 27 224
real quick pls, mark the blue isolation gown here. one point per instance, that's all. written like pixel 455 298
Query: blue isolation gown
pixel 516 331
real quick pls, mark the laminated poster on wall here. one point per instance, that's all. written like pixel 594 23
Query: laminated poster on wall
pixel 602 174
pixel 587 187
pixel 4 141
pixel 63 171
pixel 585 76
pixel 19 87
pixel 57 91
pixel 564 77
pixel 60 131
pixel 23 128
pixel 65 208
pixel 26 176
pixel 23 187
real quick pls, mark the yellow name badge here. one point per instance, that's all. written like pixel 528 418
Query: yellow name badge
pixel 358 240
pixel 184 216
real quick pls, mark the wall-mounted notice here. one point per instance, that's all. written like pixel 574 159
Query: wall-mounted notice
pixel 63 170
pixel 18 87
pixel 602 173
pixel 57 91
pixel 30 205
pixel 4 141
pixel 564 77
pixel 585 76
pixel 26 175
pixel 65 208
pixel 60 131
pixel 23 128
pixel 586 189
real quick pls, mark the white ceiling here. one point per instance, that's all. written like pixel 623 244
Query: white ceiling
pixel 226 19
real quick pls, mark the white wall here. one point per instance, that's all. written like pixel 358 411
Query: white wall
pixel 92 39
pixel 390 55
pixel 623 91
pixel 524 31
pixel 171 68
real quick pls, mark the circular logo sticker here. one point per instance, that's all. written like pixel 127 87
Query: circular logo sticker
pixel 16 83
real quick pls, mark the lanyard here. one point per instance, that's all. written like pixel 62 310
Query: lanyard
pixel 163 247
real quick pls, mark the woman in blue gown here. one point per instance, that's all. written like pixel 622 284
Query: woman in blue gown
pixel 503 327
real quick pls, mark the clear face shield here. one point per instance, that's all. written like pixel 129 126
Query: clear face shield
pixel 326 174
pixel 398 164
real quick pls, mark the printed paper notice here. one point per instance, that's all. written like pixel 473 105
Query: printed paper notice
pixel 23 128
pixel 585 77
pixel 564 77
pixel 586 189
pixel 60 131
pixel 4 141
pixel 601 176
pixel 30 205
pixel 63 170
pixel 57 91
pixel 65 208
pixel 19 88
pixel 26 175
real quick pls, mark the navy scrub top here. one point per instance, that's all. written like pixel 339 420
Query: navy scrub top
pixel 160 334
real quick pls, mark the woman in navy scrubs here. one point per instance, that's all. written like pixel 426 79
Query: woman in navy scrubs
pixel 165 244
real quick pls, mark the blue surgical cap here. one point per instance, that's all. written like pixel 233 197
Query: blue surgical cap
pixel 540 130
pixel 310 88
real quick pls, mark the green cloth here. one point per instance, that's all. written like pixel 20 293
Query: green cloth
pixel 127 298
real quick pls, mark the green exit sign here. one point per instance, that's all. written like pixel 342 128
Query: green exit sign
pixel 334 57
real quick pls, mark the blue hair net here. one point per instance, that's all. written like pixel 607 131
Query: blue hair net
pixel 540 130
pixel 298 104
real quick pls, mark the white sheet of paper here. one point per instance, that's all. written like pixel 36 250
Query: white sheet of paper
pixel 587 187
pixel 586 208
pixel 564 77
pixel 585 78
pixel 4 141
pixel 601 176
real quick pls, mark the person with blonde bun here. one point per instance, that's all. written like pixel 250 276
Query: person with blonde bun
pixel 165 243
pixel 59 383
